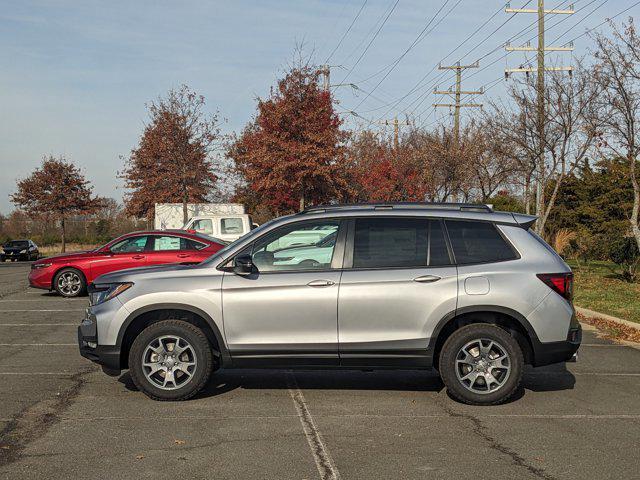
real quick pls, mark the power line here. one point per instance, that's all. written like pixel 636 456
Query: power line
pixel 371 41
pixel 344 35
pixel 417 40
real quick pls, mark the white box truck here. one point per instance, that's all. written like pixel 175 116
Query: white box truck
pixel 226 221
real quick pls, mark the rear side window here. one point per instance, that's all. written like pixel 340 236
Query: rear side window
pixel 399 242
pixel 478 242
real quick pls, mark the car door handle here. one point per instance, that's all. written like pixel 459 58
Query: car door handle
pixel 427 279
pixel 183 255
pixel 320 283
pixel 138 257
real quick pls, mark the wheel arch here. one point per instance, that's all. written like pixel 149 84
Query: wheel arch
pixel 70 267
pixel 506 318
pixel 141 318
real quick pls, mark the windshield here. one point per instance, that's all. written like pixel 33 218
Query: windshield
pixel 17 243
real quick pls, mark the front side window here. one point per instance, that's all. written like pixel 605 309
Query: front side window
pixel 478 242
pixel 308 246
pixel 130 245
pixel 231 226
pixel 204 225
pixel 399 242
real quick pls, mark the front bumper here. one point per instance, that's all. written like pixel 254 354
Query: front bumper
pixel 41 278
pixel 547 353
pixel 107 356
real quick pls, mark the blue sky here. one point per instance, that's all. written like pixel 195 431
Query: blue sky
pixel 75 76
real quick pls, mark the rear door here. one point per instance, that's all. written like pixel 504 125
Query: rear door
pixel 398 282
pixel 172 249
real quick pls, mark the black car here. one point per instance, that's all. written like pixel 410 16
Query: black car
pixel 19 250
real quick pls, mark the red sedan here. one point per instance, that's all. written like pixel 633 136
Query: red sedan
pixel 69 274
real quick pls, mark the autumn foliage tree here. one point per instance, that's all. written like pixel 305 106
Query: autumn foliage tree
pixel 172 162
pixel 57 188
pixel 291 154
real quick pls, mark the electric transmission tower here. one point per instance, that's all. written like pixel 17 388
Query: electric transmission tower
pixel 540 70
pixel 456 94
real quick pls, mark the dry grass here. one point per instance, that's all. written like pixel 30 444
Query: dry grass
pixel 71 247
pixel 563 239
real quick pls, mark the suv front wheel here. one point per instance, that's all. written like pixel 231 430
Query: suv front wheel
pixel 170 360
pixel 481 364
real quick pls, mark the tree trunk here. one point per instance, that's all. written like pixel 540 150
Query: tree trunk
pixel 636 200
pixel 527 195
pixel 64 236
pixel 302 200
pixel 185 201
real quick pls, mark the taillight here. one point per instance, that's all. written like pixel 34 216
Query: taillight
pixel 561 283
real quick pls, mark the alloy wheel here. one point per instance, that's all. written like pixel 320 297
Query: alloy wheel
pixel 169 362
pixel 483 366
pixel 69 283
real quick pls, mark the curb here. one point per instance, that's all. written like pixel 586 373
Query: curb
pixel 593 314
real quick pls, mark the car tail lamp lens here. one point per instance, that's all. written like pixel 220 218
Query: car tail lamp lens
pixel 561 283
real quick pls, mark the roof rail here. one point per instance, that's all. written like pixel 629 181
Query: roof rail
pixel 399 206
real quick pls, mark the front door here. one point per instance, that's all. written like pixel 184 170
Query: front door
pixel 127 253
pixel 286 312
pixel 398 282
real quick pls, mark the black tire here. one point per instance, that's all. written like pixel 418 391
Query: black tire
pixel 201 350
pixel 72 293
pixel 448 365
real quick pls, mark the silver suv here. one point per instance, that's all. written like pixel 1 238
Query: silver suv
pixel 460 288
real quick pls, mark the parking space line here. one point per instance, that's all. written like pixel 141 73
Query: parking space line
pixel 601 345
pixel 43 310
pixel 37 324
pixel 321 455
pixel 601 374
pixel 38 344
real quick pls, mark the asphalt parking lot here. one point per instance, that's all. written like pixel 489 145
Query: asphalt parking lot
pixel 60 417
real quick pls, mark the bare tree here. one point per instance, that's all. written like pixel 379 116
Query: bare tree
pixel 618 72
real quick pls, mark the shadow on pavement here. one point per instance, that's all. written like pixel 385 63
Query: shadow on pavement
pixel 553 378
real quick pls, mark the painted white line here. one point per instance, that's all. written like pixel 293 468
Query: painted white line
pixel 601 345
pixel 60 374
pixel 38 344
pixel 44 310
pixel 324 462
pixel 596 374
pixel 59 300
pixel 37 324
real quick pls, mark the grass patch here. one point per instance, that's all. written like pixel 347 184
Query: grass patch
pixel 597 288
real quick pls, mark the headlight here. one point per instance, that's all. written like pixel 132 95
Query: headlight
pixel 40 265
pixel 23 251
pixel 101 293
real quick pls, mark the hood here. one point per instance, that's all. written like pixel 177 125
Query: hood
pixel 130 274
pixel 69 255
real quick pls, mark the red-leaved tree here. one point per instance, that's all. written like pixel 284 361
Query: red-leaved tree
pixel 172 162
pixel 58 189
pixel 292 154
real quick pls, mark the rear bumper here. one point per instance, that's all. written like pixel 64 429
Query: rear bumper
pixel 547 353
pixel 107 356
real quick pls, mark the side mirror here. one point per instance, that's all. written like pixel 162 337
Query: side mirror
pixel 243 265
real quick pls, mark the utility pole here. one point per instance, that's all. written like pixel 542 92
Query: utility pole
pixel 326 77
pixel 456 94
pixel 540 90
pixel 396 129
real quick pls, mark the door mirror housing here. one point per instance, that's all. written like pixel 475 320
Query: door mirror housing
pixel 243 265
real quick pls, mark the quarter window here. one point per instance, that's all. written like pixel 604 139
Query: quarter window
pixel 297 247
pixel 478 242
pixel 399 242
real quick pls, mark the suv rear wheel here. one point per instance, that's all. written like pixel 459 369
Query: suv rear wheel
pixel 481 364
pixel 170 360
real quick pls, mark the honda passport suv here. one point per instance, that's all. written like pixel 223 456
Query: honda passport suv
pixel 460 288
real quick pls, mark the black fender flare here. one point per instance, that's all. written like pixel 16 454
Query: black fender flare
pixel 224 353
pixel 521 319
